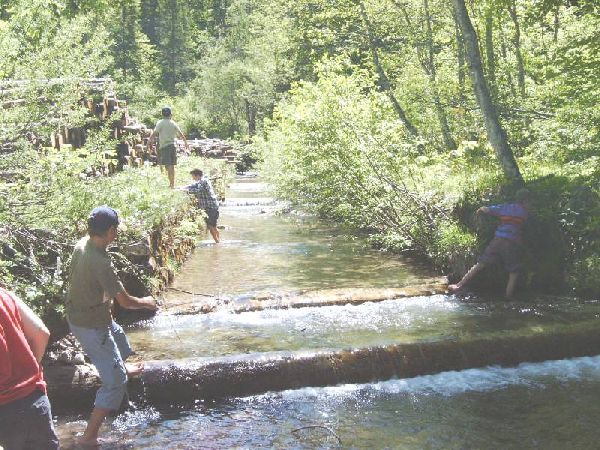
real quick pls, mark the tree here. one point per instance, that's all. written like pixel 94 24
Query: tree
pixel 175 45
pixel 383 80
pixel 496 133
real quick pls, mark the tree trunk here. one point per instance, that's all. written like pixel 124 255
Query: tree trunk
pixel 504 53
pixel 384 82
pixel 512 9
pixel 556 23
pixel 439 109
pixel 496 133
pixel 460 56
pixel 489 49
pixel 251 118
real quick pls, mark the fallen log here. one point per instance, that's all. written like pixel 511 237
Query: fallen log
pixel 183 381
pixel 299 299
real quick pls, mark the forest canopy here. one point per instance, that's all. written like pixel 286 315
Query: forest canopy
pixel 397 117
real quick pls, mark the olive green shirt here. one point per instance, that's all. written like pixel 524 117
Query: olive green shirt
pixel 93 285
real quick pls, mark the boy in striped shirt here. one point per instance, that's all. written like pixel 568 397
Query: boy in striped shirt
pixel 507 244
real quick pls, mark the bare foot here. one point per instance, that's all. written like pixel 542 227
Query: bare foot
pixel 134 369
pixel 94 443
pixel 454 287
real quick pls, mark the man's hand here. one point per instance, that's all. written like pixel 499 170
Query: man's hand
pixel 150 303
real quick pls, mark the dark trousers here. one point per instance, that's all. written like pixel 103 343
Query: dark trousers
pixel 26 424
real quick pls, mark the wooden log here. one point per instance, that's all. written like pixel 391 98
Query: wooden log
pixel 184 381
pixel 13 103
pixel 100 110
pixel 66 135
pixel 133 128
pixel 56 140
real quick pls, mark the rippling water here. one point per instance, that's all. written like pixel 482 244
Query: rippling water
pixel 552 405
pixel 339 327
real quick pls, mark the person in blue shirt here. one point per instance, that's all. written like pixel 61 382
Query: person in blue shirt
pixel 507 244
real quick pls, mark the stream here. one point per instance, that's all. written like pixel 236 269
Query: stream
pixel 553 404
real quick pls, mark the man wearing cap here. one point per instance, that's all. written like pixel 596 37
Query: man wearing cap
pixel 167 131
pixel 93 285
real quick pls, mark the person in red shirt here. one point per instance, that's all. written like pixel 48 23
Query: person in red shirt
pixel 25 415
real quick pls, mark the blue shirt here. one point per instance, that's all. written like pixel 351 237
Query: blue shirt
pixel 512 216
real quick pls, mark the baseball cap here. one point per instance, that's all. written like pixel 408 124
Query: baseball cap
pixel 103 217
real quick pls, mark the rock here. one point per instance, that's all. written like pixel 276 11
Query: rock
pixel 140 248
pixel 78 359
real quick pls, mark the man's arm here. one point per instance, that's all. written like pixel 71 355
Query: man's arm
pixel 130 302
pixel 182 136
pixel 35 331
pixel 151 139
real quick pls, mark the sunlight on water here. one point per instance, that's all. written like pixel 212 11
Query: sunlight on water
pixel 550 405
pixel 346 326
pixel 530 406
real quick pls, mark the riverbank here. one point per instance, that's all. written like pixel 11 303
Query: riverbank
pixel 162 226
pixel 335 148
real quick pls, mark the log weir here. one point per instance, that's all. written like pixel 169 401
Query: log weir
pixel 183 381
pixel 201 304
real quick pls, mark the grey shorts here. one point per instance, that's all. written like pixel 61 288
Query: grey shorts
pixel 212 215
pixel 505 250
pixel 26 424
pixel 107 348
pixel 167 155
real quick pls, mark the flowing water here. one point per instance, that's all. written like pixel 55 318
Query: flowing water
pixel 555 404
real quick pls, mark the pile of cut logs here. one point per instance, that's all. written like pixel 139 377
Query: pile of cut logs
pixel 101 102
pixel 213 148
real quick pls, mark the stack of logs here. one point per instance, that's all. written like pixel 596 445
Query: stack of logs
pixel 214 148
pixel 132 136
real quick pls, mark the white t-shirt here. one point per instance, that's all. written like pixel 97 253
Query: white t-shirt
pixel 167 132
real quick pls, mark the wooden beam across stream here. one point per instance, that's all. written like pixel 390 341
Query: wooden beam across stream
pixel 198 304
pixel 180 382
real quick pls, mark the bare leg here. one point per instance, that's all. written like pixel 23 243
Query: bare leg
pixel 468 276
pixel 90 436
pixel 214 231
pixel 513 277
pixel 171 175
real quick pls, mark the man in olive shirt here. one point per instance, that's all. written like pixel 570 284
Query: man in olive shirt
pixel 93 285
pixel 167 130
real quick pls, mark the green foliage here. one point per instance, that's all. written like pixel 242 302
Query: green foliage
pixel 302 80
pixel 44 214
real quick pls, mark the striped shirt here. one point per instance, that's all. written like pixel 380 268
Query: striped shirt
pixel 204 193
pixel 512 216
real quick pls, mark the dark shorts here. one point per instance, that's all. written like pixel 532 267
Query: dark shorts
pixel 505 250
pixel 212 215
pixel 27 424
pixel 167 155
